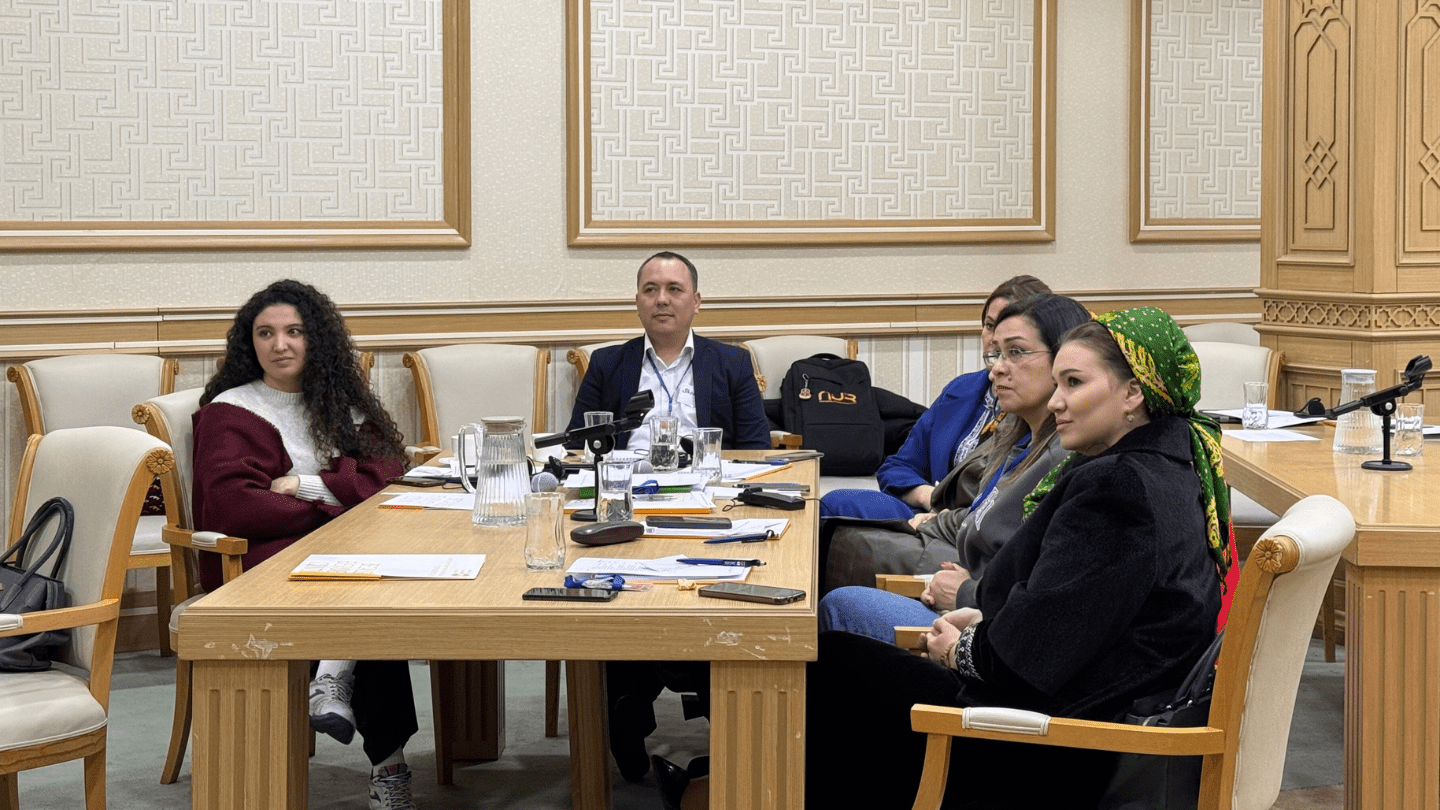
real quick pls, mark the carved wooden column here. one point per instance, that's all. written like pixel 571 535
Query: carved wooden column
pixel 1350 277
pixel 1350 250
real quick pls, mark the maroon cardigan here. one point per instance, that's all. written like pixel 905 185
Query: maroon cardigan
pixel 237 455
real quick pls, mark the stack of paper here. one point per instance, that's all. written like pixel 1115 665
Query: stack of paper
pixel 389 566
pixel 732 471
pixel 668 503
pixel 669 482
pixel 663 568
pixel 431 500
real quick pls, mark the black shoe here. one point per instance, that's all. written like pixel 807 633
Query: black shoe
pixel 628 730
pixel 672 780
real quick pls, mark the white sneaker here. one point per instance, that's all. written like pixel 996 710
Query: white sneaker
pixel 390 788
pixel 330 711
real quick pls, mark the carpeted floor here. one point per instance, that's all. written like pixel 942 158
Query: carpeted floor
pixel 534 771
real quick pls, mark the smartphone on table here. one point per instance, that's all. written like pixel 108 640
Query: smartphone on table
pixel 745 592
pixel 687 522
pixel 570 594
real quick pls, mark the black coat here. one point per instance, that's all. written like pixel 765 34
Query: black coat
pixel 1108 591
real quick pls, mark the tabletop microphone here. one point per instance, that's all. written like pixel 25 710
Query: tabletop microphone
pixel 644 467
pixel 544 481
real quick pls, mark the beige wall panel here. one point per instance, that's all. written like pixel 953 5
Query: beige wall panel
pixel 1318 126
pixel 1420 142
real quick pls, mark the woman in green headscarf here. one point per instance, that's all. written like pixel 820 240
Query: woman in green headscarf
pixel 1108 592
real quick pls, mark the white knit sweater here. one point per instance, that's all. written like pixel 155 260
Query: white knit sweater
pixel 287 413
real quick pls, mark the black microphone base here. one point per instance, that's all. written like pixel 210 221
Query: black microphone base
pixel 586 515
pixel 1386 465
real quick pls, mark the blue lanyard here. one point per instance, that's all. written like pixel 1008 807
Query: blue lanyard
pixel 1024 447
pixel 669 397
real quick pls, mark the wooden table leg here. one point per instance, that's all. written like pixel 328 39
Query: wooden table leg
pixel 757 735
pixel 250 727
pixel 1392 688
pixel 467 699
pixel 590 779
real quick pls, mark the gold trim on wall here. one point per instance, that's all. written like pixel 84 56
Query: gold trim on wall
pixel 453 230
pixel 408 326
pixel 1144 226
pixel 584 229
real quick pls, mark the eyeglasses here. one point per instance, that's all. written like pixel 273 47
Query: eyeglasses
pixel 1013 355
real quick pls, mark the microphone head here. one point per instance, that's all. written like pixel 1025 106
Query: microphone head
pixel 544 482
pixel 644 467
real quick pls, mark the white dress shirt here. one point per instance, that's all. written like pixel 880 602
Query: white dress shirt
pixel 674 389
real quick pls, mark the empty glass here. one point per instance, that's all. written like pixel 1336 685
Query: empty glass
pixel 707 454
pixel 1409 428
pixel 544 534
pixel 593 418
pixel 1256 415
pixel 1358 431
pixel 613 500
pixel 665 443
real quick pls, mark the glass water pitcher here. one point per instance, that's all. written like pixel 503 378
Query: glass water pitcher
pixel 502 476
pixel 1358 431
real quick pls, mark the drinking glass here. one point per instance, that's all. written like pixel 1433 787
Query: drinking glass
pixel 665 443
pixel 1409 423
pixel 544 535
pixel 1256 415
pixel 612 492
pixel 593 418
pixel 1357 431
pixel 707 454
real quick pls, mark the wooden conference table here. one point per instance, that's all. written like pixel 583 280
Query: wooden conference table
pixel 1392 617
pixel 252 642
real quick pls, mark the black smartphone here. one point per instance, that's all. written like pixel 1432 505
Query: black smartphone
pixel 416 481
pixel 687 522
pixel 746 592
pixel 795 455
pixel 570 594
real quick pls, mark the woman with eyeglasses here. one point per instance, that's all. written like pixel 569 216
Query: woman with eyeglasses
pixel 926 474
pixel 1109 591
pixel 956 545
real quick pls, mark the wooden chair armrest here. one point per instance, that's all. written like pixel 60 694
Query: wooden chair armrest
pixel 39 621
pixel 902 584
pixel 1070 733
pixel 908 638
pixel 205 541
pixel 420 455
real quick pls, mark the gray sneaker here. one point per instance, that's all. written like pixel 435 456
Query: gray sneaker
pixel 390 788
pixel 330 711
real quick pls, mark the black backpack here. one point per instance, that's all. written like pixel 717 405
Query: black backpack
pixel 828 400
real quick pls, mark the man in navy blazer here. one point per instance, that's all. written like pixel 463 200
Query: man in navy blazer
pixel 704 382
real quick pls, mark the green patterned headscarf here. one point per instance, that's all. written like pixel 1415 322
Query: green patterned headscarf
pixel 1169 375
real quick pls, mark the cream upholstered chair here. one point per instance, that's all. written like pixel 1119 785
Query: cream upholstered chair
pixel 772 356
pixel 85 390
pixel 457 385
pixel 1223 332
pixel 1256 677
pixel 56 716
pixel 167 418
pixel 579 357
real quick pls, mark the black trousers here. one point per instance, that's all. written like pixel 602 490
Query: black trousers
pixel 384 706
pixel 861 752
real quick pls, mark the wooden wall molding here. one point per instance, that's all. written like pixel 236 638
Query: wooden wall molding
pixel 201 330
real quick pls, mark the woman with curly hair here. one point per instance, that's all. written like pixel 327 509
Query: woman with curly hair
pixel 288 437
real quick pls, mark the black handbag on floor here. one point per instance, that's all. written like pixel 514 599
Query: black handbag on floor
pixel 24 590
pixel 1150 782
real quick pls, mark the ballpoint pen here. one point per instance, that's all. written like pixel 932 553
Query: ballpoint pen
pixel 743 538
pixel 719 561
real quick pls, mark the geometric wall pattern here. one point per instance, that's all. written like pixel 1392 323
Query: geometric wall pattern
pixel 1204 122
pixel 220 110
pixel 816 111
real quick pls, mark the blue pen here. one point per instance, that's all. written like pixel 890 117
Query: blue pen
pixel 743 538
pixel 717 561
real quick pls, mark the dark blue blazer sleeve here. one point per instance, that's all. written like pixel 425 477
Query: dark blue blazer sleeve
pixel 610 381
pixel 727 396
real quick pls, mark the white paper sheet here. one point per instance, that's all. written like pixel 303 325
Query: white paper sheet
pixel 1269 436
pixel 659 568
pixel 389 566
pixel 740 526
pixel 432 500
pixel 1277 419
